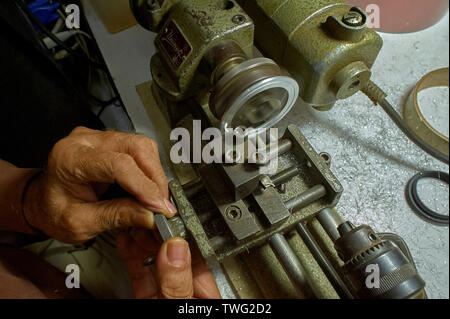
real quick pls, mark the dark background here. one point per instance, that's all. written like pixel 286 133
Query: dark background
pixel 40 102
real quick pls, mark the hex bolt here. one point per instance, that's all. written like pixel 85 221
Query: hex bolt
pixel 353 19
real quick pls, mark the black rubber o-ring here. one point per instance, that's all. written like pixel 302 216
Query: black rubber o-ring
pixel 416 203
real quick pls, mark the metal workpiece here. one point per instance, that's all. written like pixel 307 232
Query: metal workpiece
pixel 163 227
pixel 292 266
pixel 170 227
pixel 266 183
pixel 306 198
pixel 326 45
pixel 330 222
pixel 323 261
pixel 177 227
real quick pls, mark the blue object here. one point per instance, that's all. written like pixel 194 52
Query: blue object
pixel 45 10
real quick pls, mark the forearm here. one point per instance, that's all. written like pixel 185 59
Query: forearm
pixel 13 181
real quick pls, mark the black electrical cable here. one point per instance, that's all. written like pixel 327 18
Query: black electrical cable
pixel 97 49
pixel 22 5
pixel 396 118
pixel 104 104
pixel 102 110
pixel 101 102
pixel 378 96
pixel 416 203
pixel 96 100
pixel 117 96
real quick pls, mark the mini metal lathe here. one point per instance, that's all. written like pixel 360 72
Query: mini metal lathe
pixel 275 235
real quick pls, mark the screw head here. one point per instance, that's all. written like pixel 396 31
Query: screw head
pixel 353 19
pixel 238 19
pixel 233 213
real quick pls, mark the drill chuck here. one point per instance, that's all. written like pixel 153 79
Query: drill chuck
pixel 376 268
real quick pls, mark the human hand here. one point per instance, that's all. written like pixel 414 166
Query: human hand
pixel 177 274
pixel 64 201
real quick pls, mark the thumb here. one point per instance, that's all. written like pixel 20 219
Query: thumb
pixel 173 270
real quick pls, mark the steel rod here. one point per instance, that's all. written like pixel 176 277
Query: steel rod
pixel 291 264
pixel 330 222
pixel 306 198
pixel 323 261
pixel 284 176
